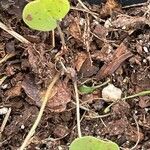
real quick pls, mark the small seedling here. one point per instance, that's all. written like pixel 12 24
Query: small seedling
pixel 43 15
pixel 90 89
pixel 92 143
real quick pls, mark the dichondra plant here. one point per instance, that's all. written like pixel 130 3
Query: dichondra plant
pixel 92 143
pixel 43 15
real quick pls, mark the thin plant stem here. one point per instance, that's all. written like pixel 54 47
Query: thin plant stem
pixel 77 109
pixel 83 5
pixel 138 94
pixel 61 35
pixel 38 119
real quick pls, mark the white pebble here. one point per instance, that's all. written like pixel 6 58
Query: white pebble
pixel 111 93
pixel 108 23
pixel 145 49
pixel 22 127
pixel 3 111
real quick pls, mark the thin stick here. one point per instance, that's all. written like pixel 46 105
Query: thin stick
pixel 14 34
pixel 38 119
pixel 53 38
pixel 99 116
pixel 77 108
pixel 138 131
pixel 5 121
pixel 6 57
pixel 61 35
pixel 84 10
pixel 2 79
pixel 83 5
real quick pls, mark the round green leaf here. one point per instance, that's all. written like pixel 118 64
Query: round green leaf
pixel 36 17
pixel 56 8
pixel 86 89
pixel 92 143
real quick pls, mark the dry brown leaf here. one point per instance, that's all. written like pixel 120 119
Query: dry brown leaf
pixel 62 96
pixel 14 91
pixel 75 30
pixel 79 60
pixel 31 90
pixel 88 69
pixel 119 56
pixel 109 7
pixel 129 22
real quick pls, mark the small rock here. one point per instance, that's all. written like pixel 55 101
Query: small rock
pixel 111 93
pixel 3 111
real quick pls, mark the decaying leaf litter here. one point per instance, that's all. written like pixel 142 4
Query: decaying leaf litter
pixel 101 45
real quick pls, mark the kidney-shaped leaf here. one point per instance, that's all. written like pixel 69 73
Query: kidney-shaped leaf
pixel 92 143
pixel 43 14
pixel 36 17
pixel 56 8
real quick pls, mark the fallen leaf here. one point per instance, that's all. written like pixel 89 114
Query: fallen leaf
pixel 79 60
pixel 31 90
pixel 88 69
pixel 74 29
pixel 14 91
pixel 62 96
pixel 120 55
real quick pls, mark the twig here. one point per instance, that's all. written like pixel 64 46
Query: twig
pixel 44 102
pixel 99 116
pixel 61 35
pixel 14 34
pixel 138 132
pixel 84 10
pixel 6 57
pixel 77 108
pixel 2 79
pixel 53 38
pixel 4 122
pixel 135 5
pixel 83 5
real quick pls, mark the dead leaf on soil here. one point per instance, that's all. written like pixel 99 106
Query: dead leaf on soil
pixel 105 54
pixel 129 22
pixel 14 91
pixel 31 90
pixel 100 31
pixel 40 62
pixel 109 8
pixel 74 29
pixel 62 96
pixel 79 60
pixel 120 55
pixel 88 69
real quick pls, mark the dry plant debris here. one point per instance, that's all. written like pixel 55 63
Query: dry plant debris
pixel 115 47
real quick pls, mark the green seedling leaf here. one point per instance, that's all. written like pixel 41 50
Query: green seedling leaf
pixel 86 89
pixel 43 15
pixel 89 89
pixel 92 143
pixel 56 8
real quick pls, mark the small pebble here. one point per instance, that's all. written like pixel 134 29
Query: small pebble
pixel 145 49
pixel 111 93
pixel 3 111
pixel 22 127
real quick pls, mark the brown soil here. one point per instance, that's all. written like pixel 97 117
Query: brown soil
pixel 115 47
